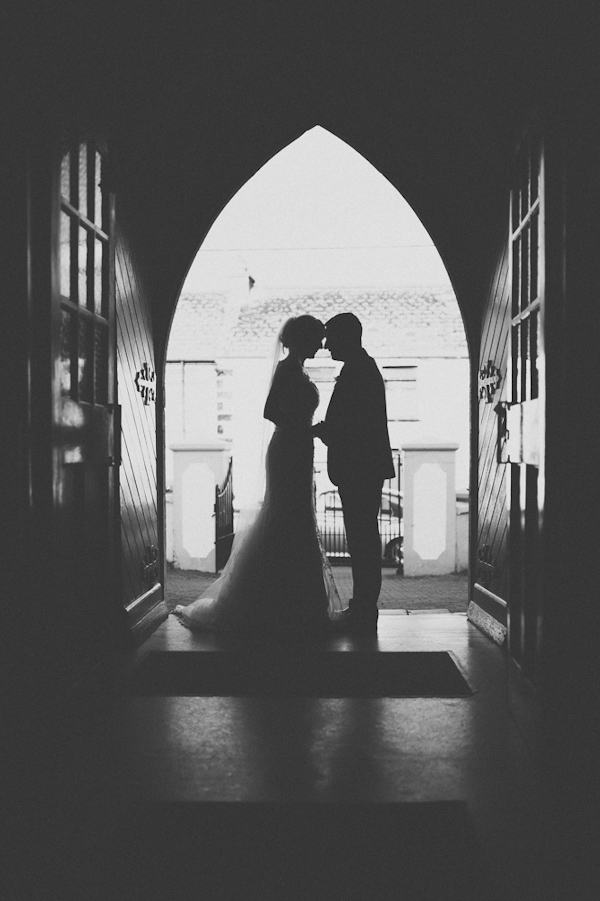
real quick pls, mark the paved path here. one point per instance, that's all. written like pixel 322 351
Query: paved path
pixel 397 592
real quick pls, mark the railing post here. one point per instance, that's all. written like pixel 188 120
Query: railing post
pixel 197 468
pixel 429 508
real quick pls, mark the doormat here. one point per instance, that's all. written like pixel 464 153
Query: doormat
pixel 242 850
pixel 352 674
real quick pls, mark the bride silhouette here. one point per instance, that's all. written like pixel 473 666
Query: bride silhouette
pixel 278 577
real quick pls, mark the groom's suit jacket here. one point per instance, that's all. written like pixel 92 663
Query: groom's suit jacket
pixel 358 443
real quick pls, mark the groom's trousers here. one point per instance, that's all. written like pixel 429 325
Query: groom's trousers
pixel 361 501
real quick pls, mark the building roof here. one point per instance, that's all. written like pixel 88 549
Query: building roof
pixel 198 326
pixel 411 322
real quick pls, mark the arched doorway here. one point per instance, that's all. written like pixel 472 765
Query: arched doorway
pixel 318 229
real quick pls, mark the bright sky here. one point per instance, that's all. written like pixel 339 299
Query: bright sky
pixel 317 215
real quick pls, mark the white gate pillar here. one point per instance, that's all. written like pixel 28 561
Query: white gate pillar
pixel 197 469
pixel 429 508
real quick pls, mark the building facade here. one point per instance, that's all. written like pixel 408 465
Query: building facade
pixel 415 335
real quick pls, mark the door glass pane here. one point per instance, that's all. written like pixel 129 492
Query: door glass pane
pixel 526 360
pixel 66 346
pixel 83 184
pixel 101 363
pixel 97 190
pixel 516 367
pixel 533 343
pixel 82 262
pixel 98 280
pixel 524 268
pixel 524 186
pixel 516 276
pixel 86 338
pixel 533 251
pixel 65 255
pixel 65 175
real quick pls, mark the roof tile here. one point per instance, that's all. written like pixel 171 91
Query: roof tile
pixel 413 322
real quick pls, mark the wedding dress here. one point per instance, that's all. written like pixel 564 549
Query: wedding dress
pixel 278 577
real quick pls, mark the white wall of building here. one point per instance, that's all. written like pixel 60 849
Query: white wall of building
pixel 439 399
pixel 442 409
pixel 191 406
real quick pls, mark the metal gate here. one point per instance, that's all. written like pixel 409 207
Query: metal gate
pixel 330 519
pixel 224 519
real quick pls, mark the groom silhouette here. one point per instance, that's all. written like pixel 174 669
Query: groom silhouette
pixel 359 459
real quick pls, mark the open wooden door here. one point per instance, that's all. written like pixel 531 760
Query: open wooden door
pixel 85 415
pixel 525 417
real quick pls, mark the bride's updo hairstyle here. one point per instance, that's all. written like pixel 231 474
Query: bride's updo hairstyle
pixel 299 330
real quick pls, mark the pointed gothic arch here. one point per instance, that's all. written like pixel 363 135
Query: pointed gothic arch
pixel 185 356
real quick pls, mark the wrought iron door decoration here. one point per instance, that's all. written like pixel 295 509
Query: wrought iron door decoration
pixel 486 566
pixel 489 381
pixel 150 565
pixel 144 382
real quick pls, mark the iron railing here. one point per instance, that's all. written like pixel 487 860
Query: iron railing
pixel 224 519
pixel 330 520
